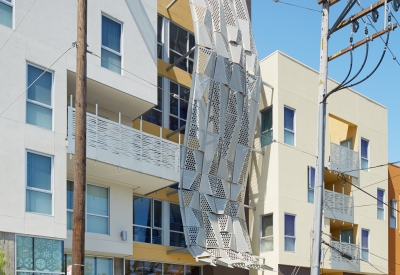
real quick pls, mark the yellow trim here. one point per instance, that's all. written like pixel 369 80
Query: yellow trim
pixel 158 253
pixel 154 130
pixel 175 74
pixel 178 13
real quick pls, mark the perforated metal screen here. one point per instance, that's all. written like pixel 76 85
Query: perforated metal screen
pixel 224 99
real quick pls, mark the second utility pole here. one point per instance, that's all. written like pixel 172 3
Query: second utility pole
pixel 323 78
pixel 78 233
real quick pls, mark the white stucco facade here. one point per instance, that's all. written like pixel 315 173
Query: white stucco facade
pixel 278 182
pixel 47 30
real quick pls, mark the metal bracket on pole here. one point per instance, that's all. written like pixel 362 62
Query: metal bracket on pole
pixel 180 59
pixel 250 206
pixel 268 85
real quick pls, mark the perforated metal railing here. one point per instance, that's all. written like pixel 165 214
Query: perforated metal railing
pixel 341 263
pixel 126 147
pixel 338 206
pixel 343 159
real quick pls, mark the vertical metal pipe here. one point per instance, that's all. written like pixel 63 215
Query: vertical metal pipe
pixel 323 77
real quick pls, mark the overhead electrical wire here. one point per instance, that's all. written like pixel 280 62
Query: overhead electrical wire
pixel 297 6
pixel 8 38
pixel 373 26
pixel 343 178
pixel 46 70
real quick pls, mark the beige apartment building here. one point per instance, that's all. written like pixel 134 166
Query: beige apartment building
pixel 281 179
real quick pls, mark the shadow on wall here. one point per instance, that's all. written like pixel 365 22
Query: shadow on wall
pixel 143 23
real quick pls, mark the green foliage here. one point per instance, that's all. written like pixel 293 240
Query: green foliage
pixel 2 262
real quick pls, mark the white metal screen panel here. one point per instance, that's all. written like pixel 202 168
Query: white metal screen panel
pixel 223 107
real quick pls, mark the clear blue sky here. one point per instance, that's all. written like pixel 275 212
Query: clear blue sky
pixel 297 32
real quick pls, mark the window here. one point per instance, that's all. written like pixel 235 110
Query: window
pixel 70 204
pixel 381 210
pixel 176 236
pixel 111 44
pixel 38 100
pixel 178 106
pixel 393 213
pixel 134 267
pixel 347 236
pixel 39 184
pixel 267 233
pixel 364 154
pixel 94 265
pixel 180 42
pixel 97 208
pixel 155 115
pixel 311 184
pixel 147 220
pixel 266 127
pixel 290 232
pixel 160 37
pixel 289 126
pixel 97 212
pixel 38 256
pixel 365 245
pixel 6 13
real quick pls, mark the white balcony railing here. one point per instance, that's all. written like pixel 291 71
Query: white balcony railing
pixel 126 147
pixel 338 206
pixel 345 160
pixel 341 263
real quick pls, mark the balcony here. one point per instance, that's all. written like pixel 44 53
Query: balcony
pixel 339 262
pixel 123 154
pixel 345 160
pixel 338 206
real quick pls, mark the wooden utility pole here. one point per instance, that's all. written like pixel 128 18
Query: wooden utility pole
pixel 78 233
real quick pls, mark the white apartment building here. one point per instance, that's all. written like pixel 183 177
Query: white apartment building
pixel 37 140
pixel 282 179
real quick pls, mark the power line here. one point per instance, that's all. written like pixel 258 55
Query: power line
pixel 371 167
pixel 343 177
pixel 297 6
pixel 379 181
pixel 373 26
pixel 17 25
pixel 380 257
pixel 46 70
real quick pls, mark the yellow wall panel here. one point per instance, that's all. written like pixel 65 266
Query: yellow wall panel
pixel 178 13
pixel 175 74
pixel 154 130
pixel 158 253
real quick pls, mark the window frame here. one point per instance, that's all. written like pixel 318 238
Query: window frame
pixel 162 43
pixel 393 213
pixel 86 213
pixel 179 98
pixel 309 189
pixel 37 237
pixel 90 255
pixel 269 236
pixel 96 215
pixel 151 227
pixel 294 125
pixel 50 107
pixel 369 244
pixel 377 204
pixel 38 189
pixel 169 49
pixel 174 231
pixel 12 5
pixel 263 133
pixel 120 40
pixel 368 155
pixel 287 236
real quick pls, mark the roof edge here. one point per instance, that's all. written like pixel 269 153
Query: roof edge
pixel 308 67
